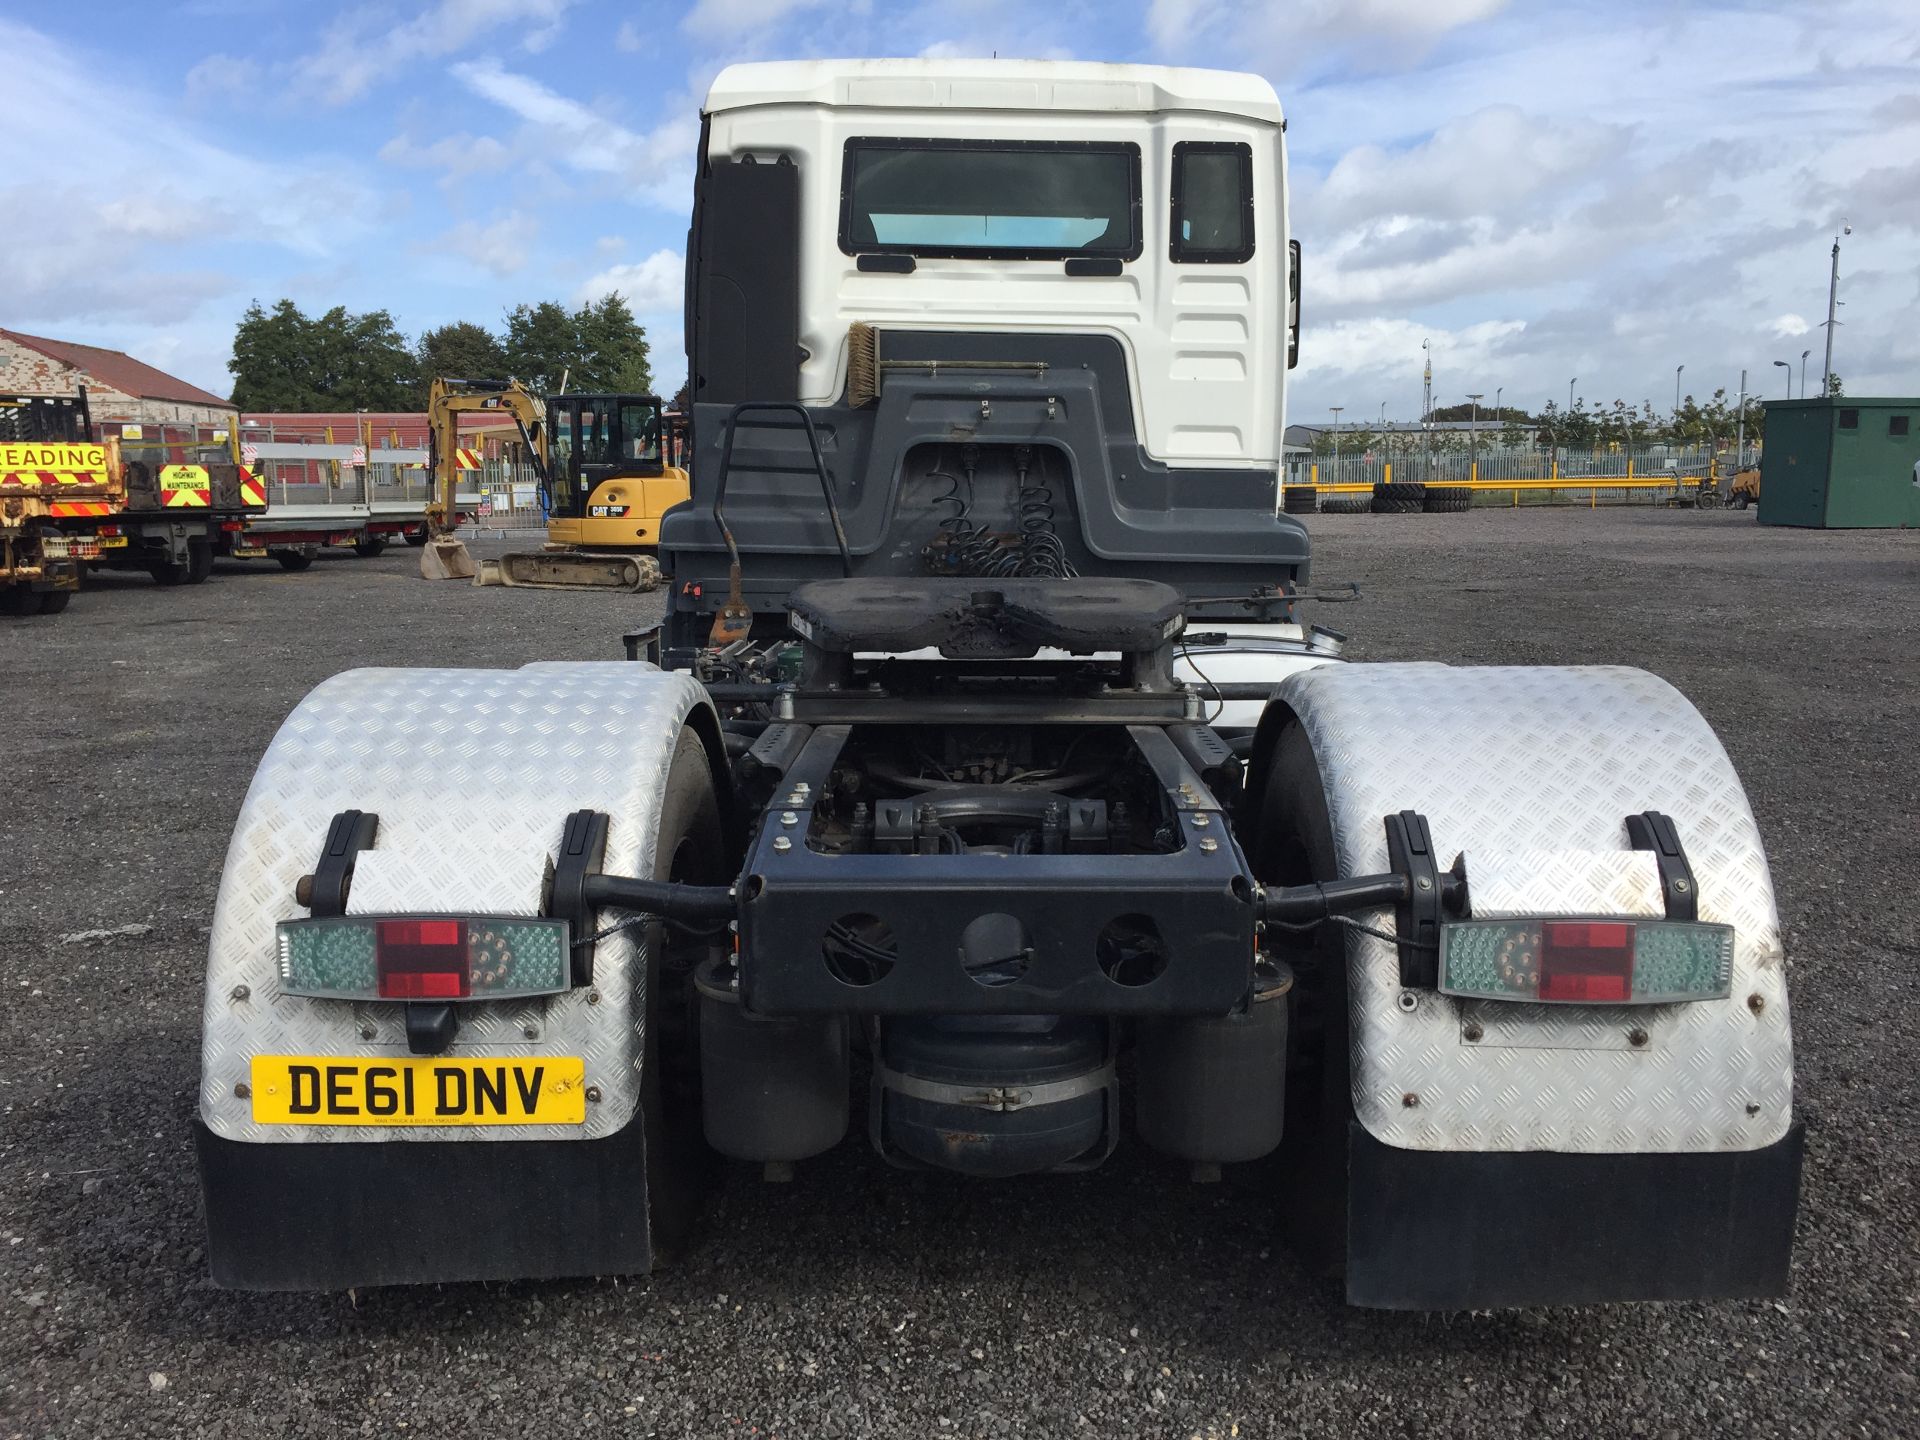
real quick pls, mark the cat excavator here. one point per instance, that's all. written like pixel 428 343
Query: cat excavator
pixel 606 474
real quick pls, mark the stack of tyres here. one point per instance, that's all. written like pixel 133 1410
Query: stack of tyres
pixel 1447 499
pixel 1397 497
pixel 1300 499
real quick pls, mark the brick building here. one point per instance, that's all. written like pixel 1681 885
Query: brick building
pixel 118 386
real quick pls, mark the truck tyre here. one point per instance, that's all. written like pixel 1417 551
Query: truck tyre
pixel 1292 844
pixel 691 848
pixel 1398 498
pixel 169 572
pixel 19 599
pixel 1447 500
pixel 369 546
pixel 295 560
pixel 416 538
pixel 199 561
pixel 52 602
pixel 1346 505
pixel 1300 499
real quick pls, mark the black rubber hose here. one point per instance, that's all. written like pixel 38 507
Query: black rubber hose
pixel 665 898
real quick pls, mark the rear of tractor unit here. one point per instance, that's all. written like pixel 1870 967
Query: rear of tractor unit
pixel 58 489
pixel 982 773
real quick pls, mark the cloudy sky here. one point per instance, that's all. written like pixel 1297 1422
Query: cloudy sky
pixel 1601 189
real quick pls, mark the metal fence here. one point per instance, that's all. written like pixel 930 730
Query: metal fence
pixel 1642 474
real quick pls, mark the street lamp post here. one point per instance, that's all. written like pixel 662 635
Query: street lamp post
pixel 1473 427
pixel 1803 373
pixel 1498 391
pixel 1787 365
pixel 1335 468
pixel 1676 390
pixel 1833 303
pixel 1570 385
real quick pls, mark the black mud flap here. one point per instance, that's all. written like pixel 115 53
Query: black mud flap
pixel 333 1216
pixel 1453 1230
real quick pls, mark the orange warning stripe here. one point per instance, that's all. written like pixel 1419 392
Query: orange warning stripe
pixel 466 459
pixel 36 479
pixel 65 509
pixel 252 492
pixel 185 499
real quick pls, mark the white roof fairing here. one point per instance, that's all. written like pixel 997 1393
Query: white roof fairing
pixel 1053 85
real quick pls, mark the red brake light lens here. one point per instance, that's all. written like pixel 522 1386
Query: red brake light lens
pixel 1585 961
pixel 422 959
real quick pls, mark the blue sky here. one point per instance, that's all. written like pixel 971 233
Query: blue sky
pixel 1601 189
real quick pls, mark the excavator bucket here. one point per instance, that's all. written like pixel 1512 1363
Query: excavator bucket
pixel 445 557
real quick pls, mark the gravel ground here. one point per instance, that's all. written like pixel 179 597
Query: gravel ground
pixel 860 1300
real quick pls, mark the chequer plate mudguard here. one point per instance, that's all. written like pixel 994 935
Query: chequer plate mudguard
pixel 1506 1154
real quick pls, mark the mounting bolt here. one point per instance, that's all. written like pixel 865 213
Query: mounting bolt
pixel 1424 883
pixel 238 993
pixel 1636 1037
pixel 303 891
pixel 242 1090
pixel 367 1032
pixel 796 798
pixel 532 1032
pixel 787 817
pixel 1200 822
pixel 1410 1101
pixel 782 844
pixel 593 997
pixel 1472 1033
pixel 1209 845
pixel 1409 1001
pixel 593 1094
pixel 1756 1002
pixel 1680 884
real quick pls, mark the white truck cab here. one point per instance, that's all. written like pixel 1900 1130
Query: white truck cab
pixel 1132 201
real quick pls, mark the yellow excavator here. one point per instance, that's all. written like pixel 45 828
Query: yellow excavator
pixel 606 469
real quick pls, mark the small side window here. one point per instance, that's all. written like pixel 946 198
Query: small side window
pixel 1896 424
pixel 1849 419
pixel 1212 203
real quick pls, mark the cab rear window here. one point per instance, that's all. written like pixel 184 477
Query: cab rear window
pixel 1212 202
pixel 987 199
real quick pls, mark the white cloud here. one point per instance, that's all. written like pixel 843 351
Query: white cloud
pixel 222 77
pixel 631 39
pixel 1376 344
pixel 122 256
pixel 582 139
pixel 355 53
pixel 457 155
pixel 501 248
pixel 653 286
pixel 734 20
pixel 1790 326
pixel 1283 38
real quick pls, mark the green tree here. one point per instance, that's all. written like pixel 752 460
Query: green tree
pixel 461 350
pixel 614 347
pixel 597 347
pixel 543 346
pixel 284 360
pixel 271 355
pixel 1834 385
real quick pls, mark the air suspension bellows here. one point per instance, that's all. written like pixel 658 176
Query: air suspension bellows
pixel 772 1089
pixel 1212 1089
pixel 995 1095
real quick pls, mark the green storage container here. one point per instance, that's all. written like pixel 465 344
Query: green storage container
pixel 1838 463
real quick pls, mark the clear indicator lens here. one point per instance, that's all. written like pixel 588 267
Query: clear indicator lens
pixel 1587 962
pixel 422 958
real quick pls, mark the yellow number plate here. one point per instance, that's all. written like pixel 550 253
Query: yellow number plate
pixel 328 1090
pixel 113 542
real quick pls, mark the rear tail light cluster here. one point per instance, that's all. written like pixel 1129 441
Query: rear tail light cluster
pixel 426 957
pixel 1587 962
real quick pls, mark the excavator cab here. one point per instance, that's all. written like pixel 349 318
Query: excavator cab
pixel 612 472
